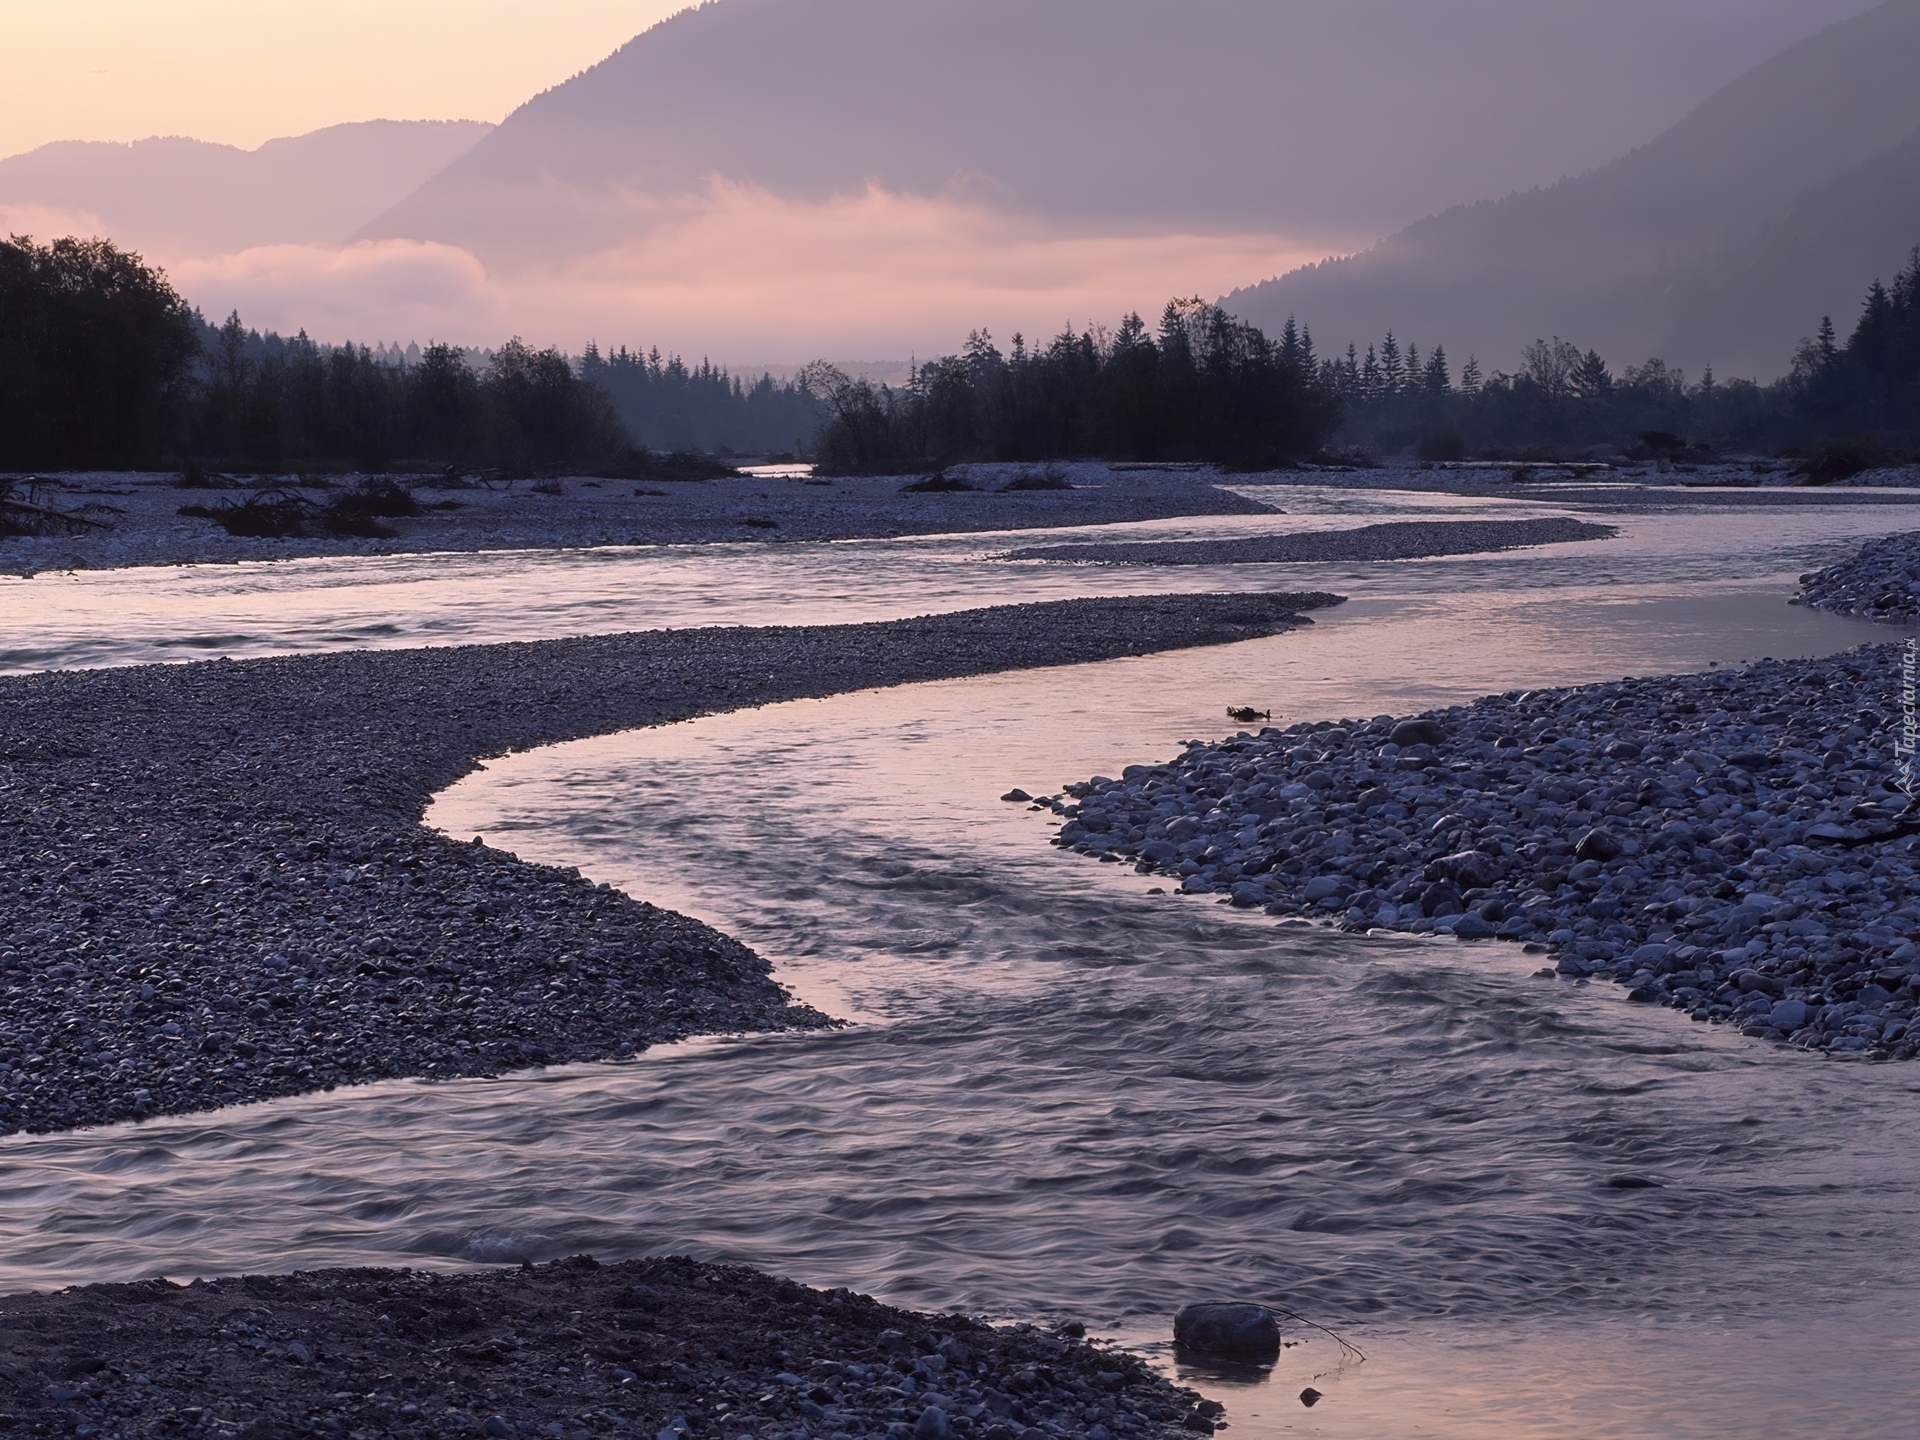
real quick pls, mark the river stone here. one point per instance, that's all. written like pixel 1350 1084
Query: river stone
pixel 1322 886
pixel 1471 927
pixel 1597 845
pixel 1416 732
pixel 1789 1015
pixel 1017 795
pixel 933 1425
pixel 1469 869
pixel 1228 1329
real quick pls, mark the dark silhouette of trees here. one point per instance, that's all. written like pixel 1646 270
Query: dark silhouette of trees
pixel 1204 387
pixel 94 349
pixel 668 405
pixel 1871 386
pixel 1866 391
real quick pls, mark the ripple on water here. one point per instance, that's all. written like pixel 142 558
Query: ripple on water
pixel 1070 1095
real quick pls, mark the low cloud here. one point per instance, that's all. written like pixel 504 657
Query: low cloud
pixel 737 273
pixel 47 222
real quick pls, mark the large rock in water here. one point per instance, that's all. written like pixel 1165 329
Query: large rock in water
pixel 1247 1331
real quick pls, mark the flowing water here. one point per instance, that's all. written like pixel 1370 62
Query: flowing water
pixel 194 612
pixel 1064 1093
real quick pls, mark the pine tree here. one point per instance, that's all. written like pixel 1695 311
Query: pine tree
pixel 1470 377
pixel 1392 372
pixel 1370 376
pixel 1826 351
pixel 1290 344
pixel 1415 372
pixel 1591 379
pixel 1439 378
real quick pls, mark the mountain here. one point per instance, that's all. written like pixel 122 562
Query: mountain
pixel 1722 242
pixel 1305 119
pixel 181 197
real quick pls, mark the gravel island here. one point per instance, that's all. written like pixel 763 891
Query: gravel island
pixel 1735 844
pixel 1395 540
pixel 214 886
pixel 1881 581
pixel 136 519
pixel 665 1348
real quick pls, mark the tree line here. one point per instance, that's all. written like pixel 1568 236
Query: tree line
pixel 668 405
pixel 103 364
pixel 1864 392
pixel 1204 387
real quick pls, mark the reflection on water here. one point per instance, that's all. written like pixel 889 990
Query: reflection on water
pixel 126 617
pixel 1072 1095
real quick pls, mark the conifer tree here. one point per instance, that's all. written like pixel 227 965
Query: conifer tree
pixel 1826 351
pixel 1392 370
pixel 1439 379
pixel 1470 377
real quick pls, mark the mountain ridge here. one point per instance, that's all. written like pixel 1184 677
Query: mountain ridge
pixel 1634 256
pixel 179 195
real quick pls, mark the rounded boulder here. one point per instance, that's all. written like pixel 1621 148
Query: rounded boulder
pixel 1416 732
pixel 1248 1331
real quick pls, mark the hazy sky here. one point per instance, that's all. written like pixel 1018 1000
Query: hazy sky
pixel 244 71
pixel 749 249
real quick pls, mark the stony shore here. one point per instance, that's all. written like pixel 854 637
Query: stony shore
pixel 1396 540
pixel 664 1349
pixel 143 525
pixel 1880 582
pixel 214 886
pixel 1735 844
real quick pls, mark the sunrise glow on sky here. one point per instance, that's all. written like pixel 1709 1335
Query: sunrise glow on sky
pixel 240 72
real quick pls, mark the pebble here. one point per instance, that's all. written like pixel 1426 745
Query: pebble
pixel 1736 844
pixel 215 887
pixel 1394 540
pixel 1881 581
pixel 661 1349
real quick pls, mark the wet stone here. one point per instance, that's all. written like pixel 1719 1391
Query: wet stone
pixel 1736 845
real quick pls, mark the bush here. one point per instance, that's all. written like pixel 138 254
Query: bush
pixel 1051 478
pixel 1840 460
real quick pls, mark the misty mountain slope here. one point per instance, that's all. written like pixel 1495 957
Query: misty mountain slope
pixel 1721 241
pixel 1313 118
pixel 187 197
pixel 1762 293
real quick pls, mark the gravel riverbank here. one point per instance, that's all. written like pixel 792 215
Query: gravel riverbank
pixel 1396 540
pixel 137 519
pixel 1734 844
pixel 664 1348
pixel 1880 582
pixel 214 886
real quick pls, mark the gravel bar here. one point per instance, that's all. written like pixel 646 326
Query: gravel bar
pixel 665 1348
pixel 1880 582
pixel 1735 844
pixel 139 521
pixel 1398 540
pixel 214 886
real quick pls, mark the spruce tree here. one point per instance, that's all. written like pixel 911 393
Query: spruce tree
pixel 1470 377
pixel 1439 378
pixel 1392 371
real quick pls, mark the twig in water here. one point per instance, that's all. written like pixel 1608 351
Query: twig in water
pixel 1347 1347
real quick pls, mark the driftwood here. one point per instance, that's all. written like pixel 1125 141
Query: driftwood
pixel 21 517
